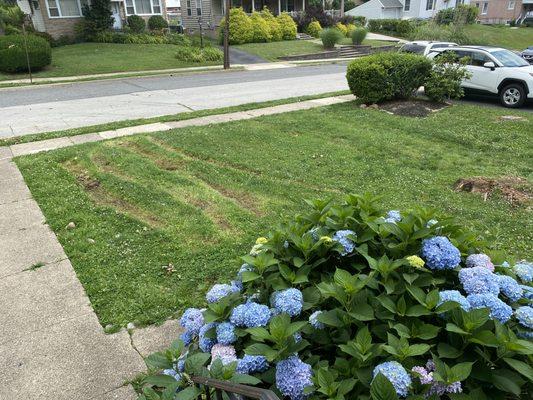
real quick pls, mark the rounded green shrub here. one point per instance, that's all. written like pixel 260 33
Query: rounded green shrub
pixel 342 28
pixel 273 24
pixel 349 29
pixel 137 24
pixel 330 37
pixel 314 29
pixel 13 54
pixel 288 26
pixel 157 22
pixel 199 55
pixel 358 35
pixel 241 29
pixel 350 301
pixel 261 28
pixel 387 76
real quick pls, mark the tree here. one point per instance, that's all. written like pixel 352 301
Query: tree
pixel 98 16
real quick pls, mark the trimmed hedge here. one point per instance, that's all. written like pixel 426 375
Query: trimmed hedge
pixel 273 24
pixel 241 27
pixel 13 54
pixel 157 22
pixel 261 29
pixel 288 26
pixel 199 55
pixel 314 29
pixel 141 38
pixel 387 76
pixel 399 27
pixel 136 24
pixel 342 28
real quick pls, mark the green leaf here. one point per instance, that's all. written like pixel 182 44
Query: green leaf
pixel 455 329
pixel 159 380
pixel 195 362
pixel 459 372
pixel 521 367
pixel 248 276
pixel 158 361
pixel 245 379
pixel 259 333
pixel 279 325
pixel 189 393
pixel 382 389
pixel 432 299
pixel 260 349
pixel 447 351
pixel 417 349
pixel 417 311
pixel 346 386
pixel 330 318
pixel 506 382
pixel 417 293
pixel 363 312
pixel 151 394
pixel 486 338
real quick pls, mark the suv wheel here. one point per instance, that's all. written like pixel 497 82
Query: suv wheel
pixel 513 95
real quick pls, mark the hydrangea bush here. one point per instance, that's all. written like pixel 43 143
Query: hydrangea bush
pixel 349 301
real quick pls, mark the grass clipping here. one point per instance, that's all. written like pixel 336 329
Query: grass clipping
pixel 517 191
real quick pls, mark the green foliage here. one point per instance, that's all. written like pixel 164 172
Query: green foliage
pixel 136 24
pixel 199 55
pixel 342 28
pixel 141 38
pixel 432 31
pixel 288 26
pixel 157 23
pixel 11 17
pixel 349 29
pixel 97 16
pixel 398 27
pixel 273 24
pixel 460 14
pixel 358 35
pixel 13 54
pixel 444 80
pixel 241 27
pixel 330 37
pixel 376 305
pixel 387 76
pixel 314 29
pixel 261 29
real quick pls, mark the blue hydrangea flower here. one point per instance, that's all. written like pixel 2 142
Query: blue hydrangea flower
pixel 510 288
pixel 292 377
pixel 528 292
pixel 180 365
pixel 479 260
pixel 528 335
pixel 250 315
pixel 219 291
pixel 439 253
pixel 313 320
pixel 252 364
pixel 478 280
pixel 187 337
pixel 347 243
pixel 393 216
pixel 505 264
pixel 244 268
pixel 396 374
pixel 314 233
pixel 192 320
pixel 498 309
pixel 454 295
pixel 524 271
pixel 172 373
pixel 431 222
pixel 289 301
pixel 524 315
pixel 297 337
pixel 237 285
pixel 226 333
pixel 226 354
pixel 204 342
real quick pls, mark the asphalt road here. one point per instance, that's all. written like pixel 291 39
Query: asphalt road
pixel 48 108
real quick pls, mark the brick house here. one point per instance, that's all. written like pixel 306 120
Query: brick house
pixel 58 17
pixel 503 11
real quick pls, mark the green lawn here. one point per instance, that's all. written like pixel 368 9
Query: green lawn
pixel 197 198
pixel 273 50
pixel 500 35
pixel 99 58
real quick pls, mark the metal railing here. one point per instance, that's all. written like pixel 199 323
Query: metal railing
pixel 234 391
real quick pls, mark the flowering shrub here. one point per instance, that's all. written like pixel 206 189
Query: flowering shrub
pixel 350 302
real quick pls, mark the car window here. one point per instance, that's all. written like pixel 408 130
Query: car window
pixel 441 45
pixel 479 59
pixel 413 48
pixel 509 59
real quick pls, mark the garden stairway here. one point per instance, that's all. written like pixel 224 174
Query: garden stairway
pixel 304 36
pixel 353 51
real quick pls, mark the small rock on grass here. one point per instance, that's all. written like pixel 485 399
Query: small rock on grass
pixel 71 225
pixel 91 241
pixel 130 326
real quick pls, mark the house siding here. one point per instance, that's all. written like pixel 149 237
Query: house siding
pixel 498 11
pixel 373 9
pixel 211 14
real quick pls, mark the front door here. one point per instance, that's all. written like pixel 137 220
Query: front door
pixel 117 19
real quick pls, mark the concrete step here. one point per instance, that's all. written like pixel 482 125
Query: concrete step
pixel 304 36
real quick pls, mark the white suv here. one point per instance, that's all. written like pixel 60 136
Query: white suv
pixel 424 47
pixel 495 71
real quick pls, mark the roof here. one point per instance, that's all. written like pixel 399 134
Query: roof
pixel 391 3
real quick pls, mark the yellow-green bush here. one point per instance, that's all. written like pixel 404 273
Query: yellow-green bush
pixel 275 28
pixel 261 29
pixel 314 28
pixel 241 27
pixel 288 26
pixel 349 29
pixel 342 28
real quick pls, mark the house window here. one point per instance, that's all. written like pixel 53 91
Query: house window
pixel 510 5
pixel 63 8
pixel 407 5
pixel 485 8
pixel 198 7
pixel 189 8
pixel 430 5
pixel 143 7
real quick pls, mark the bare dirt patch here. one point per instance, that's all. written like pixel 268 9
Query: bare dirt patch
pixel 411 108
pixel 517 191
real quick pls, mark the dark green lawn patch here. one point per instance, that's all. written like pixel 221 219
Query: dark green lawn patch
pixel 197 198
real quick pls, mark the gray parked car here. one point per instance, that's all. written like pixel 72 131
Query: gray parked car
pixel 527 54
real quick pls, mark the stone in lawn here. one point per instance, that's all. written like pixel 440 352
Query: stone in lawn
pixel 91 241
pixel 71 225
pixel 511 118
pixel 130 326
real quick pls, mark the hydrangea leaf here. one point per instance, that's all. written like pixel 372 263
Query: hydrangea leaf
pixel 486 338
pixel 521 367
pixel 447 351
pixel 158 361
pixel 189 393
pixel 382 389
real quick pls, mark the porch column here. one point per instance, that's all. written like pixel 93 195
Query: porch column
pixel 303 5
pixel 223 7
pixel 279 7
pixel 253 5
